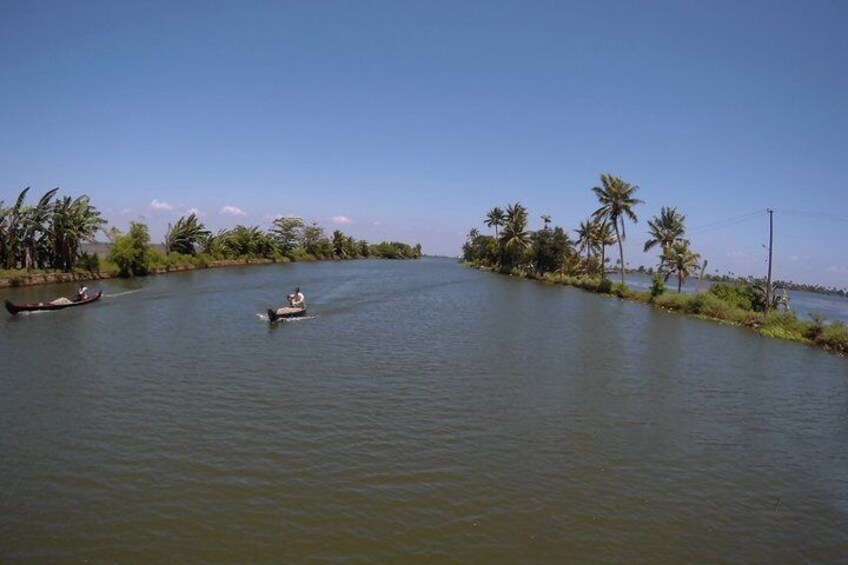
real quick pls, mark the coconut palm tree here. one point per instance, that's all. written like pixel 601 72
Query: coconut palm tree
pixel 601 237
pixel 495 218
pixel 546 219
pixel 681 261
pixel 514 238
pixel 617 203
pixel 665 229
pixel 585 238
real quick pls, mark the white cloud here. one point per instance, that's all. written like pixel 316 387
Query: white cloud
pixel 341 220
pixel 126 211
pixel 835 269
pixel 737 254
pixel 157 205
pixel 273 217
pixel 376 224
pixel 232 211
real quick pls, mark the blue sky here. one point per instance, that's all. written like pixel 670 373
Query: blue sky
pixel 401 120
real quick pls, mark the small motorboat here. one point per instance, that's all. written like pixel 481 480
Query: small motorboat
pixel 55 305
pixel 285 313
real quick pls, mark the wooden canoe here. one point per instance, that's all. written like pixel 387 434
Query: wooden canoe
pixel 285 313
pixel 40 306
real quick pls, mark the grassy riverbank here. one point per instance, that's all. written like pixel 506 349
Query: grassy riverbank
pixel 717 304
pixel 18 277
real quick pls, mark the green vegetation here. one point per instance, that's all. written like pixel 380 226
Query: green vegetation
pixel 131 251
pixel 47 235
pixel 550 255
pixel 617 203
pixel 189 244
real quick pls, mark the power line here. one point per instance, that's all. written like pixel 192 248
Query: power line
pixel 727 222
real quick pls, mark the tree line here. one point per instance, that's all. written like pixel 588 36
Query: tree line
pixel 515 249
pixel 551 254
pixel 49 235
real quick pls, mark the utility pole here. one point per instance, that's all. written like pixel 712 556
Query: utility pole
pixel 771 245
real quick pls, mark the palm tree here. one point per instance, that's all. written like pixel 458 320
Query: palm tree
pixel 665 229
pixel 494 218
pixel 680 260
pixel 546 219
pixel 340 244
pixel 473 234
pixel 602 236
pixel 185 235
pixel 514 239
pixel 617 202
pixel 585 238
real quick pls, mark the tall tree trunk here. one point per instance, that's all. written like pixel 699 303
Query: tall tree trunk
pixel 620 250
pixel 603 261
pixel 679 283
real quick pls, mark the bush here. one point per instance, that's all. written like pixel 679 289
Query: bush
pixel 605 286
pixel 733 294
pixel 784 326
pixel 672 301
pixel 89 262
pixel 657 286
pixel 706 304
pixel 817 326
pixel 835 337
pixel 623 291
pixel 130 252
pixel 300 254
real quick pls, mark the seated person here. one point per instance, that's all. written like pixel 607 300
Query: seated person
pixel 298 300
pixel 82 293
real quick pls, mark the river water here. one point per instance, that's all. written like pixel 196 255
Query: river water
pixel 423 413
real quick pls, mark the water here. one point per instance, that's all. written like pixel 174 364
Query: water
pixel 802 303
pixel 425 413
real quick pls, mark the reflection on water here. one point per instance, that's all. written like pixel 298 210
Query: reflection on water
pixel 427 413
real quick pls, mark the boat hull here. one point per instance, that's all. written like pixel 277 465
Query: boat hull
pixel 44 307
pixel 285 313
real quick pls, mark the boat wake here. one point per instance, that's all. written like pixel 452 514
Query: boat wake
pixel 122 293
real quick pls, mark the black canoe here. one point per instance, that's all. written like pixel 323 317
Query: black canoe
pixel 285 313
pixel 15 308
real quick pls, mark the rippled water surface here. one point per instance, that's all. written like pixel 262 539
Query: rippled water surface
pixel 424 413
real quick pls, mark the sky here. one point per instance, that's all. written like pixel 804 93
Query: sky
pixel 410 120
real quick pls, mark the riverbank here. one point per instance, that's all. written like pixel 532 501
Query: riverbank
pixel 710 306
pixel 24 278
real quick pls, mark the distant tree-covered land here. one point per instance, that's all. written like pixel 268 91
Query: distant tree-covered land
pixel 49 235
pixel 579 258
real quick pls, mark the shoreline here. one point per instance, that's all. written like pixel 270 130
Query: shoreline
pixel 774 326
pixel 40 279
